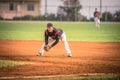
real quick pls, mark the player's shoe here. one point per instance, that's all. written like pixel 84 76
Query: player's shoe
pixel 70 55
pixel 39 54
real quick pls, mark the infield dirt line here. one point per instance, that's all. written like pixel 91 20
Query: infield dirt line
pixel 62 76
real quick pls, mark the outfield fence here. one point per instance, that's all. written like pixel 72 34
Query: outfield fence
pixel 52 12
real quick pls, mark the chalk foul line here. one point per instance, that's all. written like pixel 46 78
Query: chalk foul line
pixel 70 75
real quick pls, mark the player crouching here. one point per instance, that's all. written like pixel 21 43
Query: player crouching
pixel 54 34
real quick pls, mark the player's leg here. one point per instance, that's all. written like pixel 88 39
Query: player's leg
pixel 67 48
pixel 41 52
pixel 95 21
pixel 98 23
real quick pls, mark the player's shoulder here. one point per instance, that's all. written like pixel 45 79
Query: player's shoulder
pixel 56 28
pixel 97 11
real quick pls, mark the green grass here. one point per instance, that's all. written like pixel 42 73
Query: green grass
pixel 6 63
pixel 85 78
pixel 75 31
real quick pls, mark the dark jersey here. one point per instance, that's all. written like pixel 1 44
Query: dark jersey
pixel 54 35
pixel 96 14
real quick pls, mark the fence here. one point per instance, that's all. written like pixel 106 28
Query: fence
pixel 86 12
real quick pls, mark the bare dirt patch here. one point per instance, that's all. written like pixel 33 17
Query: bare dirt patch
pixel 88 57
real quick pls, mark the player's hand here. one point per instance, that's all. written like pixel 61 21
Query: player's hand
pixel 47 47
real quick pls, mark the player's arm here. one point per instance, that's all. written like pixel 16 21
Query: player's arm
pixel 47 47
pixel 94 14
pixel 56 41
pixel 46 39
pixel 98 14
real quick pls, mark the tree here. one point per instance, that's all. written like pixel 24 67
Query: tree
pixel 51 17
pixel 71 8
pixel 117 15
pixel 107 16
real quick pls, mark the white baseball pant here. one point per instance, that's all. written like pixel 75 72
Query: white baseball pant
pixel 97 22
pixel 64 40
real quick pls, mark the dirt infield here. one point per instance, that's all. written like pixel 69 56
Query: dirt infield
pixel 88 58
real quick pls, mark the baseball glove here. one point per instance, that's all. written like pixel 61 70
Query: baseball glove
pixel 47 47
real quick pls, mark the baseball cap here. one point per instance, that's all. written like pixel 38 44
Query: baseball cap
pixel 49 25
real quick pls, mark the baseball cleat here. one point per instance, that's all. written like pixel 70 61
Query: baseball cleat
pixel 70 55
pixel 39 54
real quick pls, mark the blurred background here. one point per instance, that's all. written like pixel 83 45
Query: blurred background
pixel 59 10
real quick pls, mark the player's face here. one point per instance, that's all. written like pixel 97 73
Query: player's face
pixel 50 29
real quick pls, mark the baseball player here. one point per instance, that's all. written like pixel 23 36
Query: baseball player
pixel 53 35
pixel 97 18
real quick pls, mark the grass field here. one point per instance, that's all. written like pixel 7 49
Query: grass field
pixel 75 31
pixel 6 63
